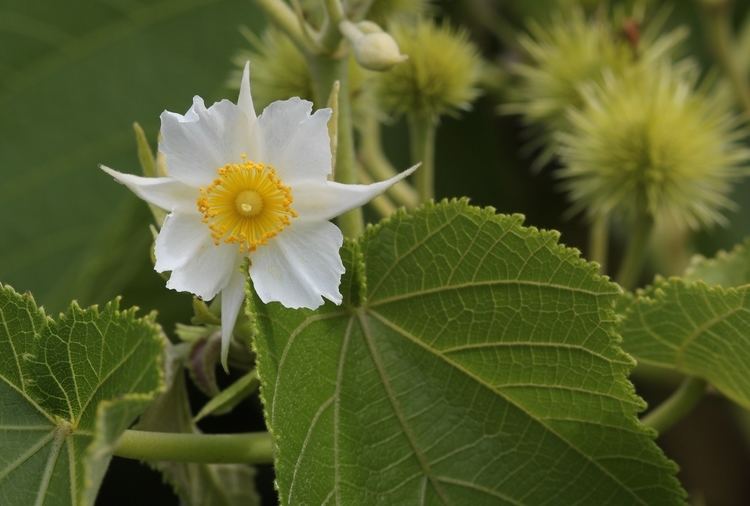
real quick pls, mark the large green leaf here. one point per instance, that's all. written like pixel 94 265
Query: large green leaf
pixel 699 329
pixel 74 75
pixel 68 388
pixel 473 361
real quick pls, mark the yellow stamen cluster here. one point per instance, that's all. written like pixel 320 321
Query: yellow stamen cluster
pixel 246 205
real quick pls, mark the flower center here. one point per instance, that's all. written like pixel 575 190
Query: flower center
pixel 246 205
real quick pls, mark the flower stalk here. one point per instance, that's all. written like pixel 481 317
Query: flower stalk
pixel 285 18
pixel 599 241
pixel 326 70
pixel 248 448
pixel 635 254
pixel 718 28
pixel 422 133
pixel 679 404
pixel 376 163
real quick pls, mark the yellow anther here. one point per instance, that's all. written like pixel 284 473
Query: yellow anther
pixel 246 205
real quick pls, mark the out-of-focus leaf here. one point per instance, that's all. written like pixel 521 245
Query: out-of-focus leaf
pixel 726 268
pixel 74 75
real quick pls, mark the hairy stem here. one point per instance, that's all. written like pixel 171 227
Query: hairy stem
pixel 382 203
pixel 599 241
pixel 718 27
pixel 250 448
pixel 422 131
pixel 325 71
pixel 635 254
pixel 376 163
pixel 284 18
pixel 679 404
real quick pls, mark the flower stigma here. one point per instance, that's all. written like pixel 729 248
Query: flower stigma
pixel 246 205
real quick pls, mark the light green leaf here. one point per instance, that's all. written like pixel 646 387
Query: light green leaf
pixel 473 361
pixel 697 329
pixel 68 389
pixel 726 268
pixel 75 75
pixel 196 484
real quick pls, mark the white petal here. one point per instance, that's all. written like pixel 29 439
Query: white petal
pixel 180 238
pixel 208 270
pixel 164 192
pixel 231 302
pixel 197 144
pixel 300 266
pixel 245 100
pixel 294 142
pixel 316 200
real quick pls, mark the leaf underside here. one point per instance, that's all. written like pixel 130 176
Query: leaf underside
pixel 699 325
pixel 473 361
pixel 68 388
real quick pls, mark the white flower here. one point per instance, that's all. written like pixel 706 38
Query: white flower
pixel 245 186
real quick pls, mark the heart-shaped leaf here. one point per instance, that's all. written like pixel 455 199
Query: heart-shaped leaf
pixel 473 361
pixel 68 389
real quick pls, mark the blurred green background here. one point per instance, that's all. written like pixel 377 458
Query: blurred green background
pixel 75 75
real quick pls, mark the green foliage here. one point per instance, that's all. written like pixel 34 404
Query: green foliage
pixel 196 484
pixel 726 269
pixel 473 361
pixel 75 75
pixel 68 389
pixel 697 329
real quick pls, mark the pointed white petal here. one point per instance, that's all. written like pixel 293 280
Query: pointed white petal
pixel 197 144
pixel 231 302
pixel 164 192
pixel 180 238
pixel 208 270
pixel 315 200
pixel 294 142
pixel 245 100
pixel 300 266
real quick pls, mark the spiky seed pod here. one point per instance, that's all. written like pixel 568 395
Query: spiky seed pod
pixel 655 141
pixel 570 52
pixel 440 76
pixel 279 69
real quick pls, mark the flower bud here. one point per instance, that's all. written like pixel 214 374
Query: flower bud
pixel 373 48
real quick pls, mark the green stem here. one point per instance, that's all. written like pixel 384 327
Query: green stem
pixel 422 130
pixel 325 71
pixel 285 19
pixel 635 254
pixel 375 161
pixel 599 241
pixel 382 203
pixel 331 35
pixel 718 28
pixel 250 448
pixel 679 404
